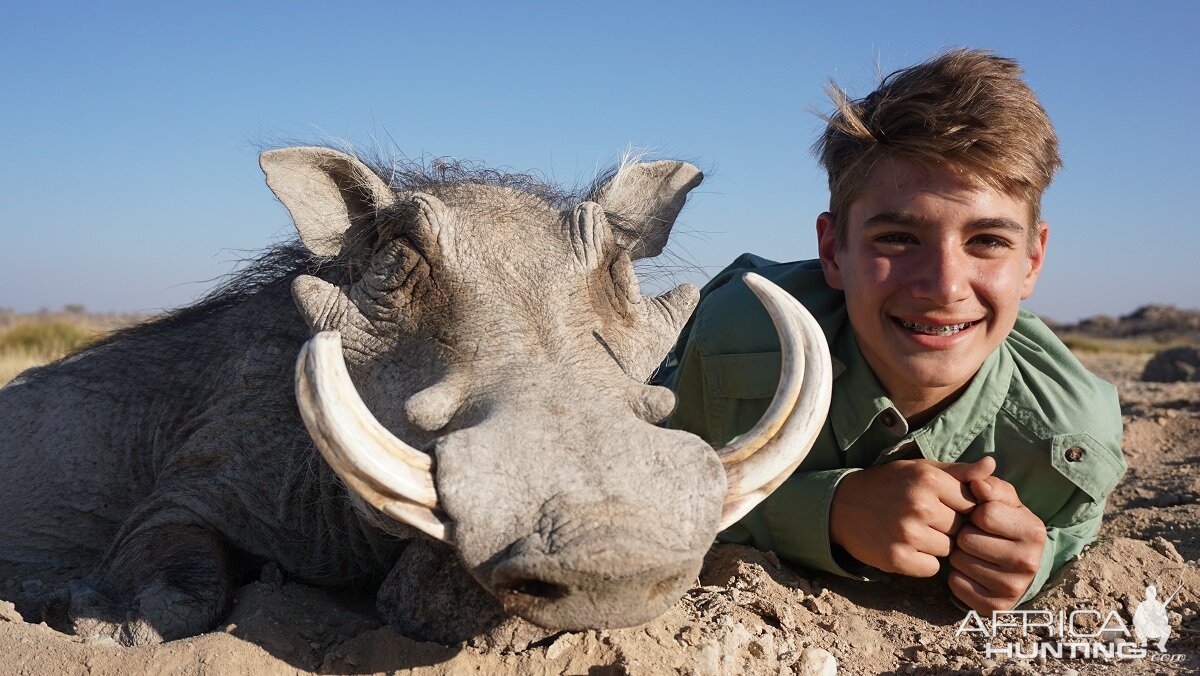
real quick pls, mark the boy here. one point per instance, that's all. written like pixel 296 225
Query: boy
pixel 962 435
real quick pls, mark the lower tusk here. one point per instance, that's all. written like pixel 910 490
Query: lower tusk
pixel 758 461
pixel 389 474
pixel 425 520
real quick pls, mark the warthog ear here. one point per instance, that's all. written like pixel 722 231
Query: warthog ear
pixel 643 200
pixel 329 194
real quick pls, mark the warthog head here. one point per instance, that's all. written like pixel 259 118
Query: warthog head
pixel 501 346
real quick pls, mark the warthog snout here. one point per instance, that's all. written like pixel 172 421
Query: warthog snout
pixel 610 576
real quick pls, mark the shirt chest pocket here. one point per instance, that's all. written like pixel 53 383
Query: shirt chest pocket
pixel 739 388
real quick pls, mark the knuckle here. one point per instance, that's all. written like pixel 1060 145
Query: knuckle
pixel 1039 533
pixel 914 496
pixel 1012 588
pixel 895 553
pixel 924 472
pixel 985 516
pixel 911 530
pixel 922 510
pixel 966 540
pixel 1028 566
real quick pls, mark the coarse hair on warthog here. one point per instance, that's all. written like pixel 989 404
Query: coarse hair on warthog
pixel 444 378
pixel 279 264
pixel 964 108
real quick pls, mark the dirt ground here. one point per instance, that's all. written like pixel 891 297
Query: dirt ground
pixel 748 614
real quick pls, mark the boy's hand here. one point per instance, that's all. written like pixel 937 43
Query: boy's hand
pixel 900 516
pixel 998 553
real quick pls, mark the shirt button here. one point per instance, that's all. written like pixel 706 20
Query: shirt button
pixel 888 418
pixel 1074 454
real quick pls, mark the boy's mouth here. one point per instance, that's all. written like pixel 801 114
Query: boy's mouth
pixel 935 329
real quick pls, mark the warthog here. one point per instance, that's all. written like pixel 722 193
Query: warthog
pixel 495 326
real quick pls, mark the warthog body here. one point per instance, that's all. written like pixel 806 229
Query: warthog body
pixel 495 327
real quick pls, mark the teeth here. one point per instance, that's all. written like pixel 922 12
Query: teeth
pixel 943 330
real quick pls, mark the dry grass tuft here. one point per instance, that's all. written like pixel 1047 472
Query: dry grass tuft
pixel 1091 344
pixel 34 342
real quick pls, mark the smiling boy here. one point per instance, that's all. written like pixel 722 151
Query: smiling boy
pixel 962 437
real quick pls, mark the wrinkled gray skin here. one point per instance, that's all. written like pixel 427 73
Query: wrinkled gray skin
pixel 173 460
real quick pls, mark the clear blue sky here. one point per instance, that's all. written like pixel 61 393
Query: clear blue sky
pixel 128 171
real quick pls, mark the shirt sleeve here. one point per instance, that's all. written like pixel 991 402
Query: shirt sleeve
pixel 794 523
pixel 685 376
pixel 1067 533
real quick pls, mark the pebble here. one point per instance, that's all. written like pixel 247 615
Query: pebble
pixel 816 662
pixel 1164 547
pixel 561 645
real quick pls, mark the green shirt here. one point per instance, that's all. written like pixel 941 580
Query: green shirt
pixel 1053 427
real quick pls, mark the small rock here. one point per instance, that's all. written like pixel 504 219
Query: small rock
pixel 708 658
pixel 1163 546
pixel 560 645
pixel 816 662
pixel 817 605
pixel 1174 365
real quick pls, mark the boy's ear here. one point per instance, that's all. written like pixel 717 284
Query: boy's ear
pixel 828 249
pixel 1037 257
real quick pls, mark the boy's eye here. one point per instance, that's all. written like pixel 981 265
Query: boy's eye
pixel 991 242
pixel 895 238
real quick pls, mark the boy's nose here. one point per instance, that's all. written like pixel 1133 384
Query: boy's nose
pixel 943 277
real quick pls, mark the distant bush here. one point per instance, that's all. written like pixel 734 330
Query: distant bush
pixel 33 343
pixel 51 337
pixel 1078 343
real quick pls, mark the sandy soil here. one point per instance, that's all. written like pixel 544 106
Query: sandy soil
pixel 747 614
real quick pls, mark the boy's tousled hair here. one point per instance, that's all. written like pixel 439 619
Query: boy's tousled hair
pixel 968 109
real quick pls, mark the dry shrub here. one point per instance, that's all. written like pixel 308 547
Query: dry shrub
pixel 36 342
pixel 1080 343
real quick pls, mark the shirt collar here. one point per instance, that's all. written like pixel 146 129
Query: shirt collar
pixel 858 399
pixel 946 436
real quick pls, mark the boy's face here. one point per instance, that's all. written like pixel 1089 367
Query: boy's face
pixel 934 267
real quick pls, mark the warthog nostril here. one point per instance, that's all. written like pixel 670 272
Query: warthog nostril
pixel 534 588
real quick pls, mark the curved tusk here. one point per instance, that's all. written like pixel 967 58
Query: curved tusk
pixel 758 461
pixel 392 476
